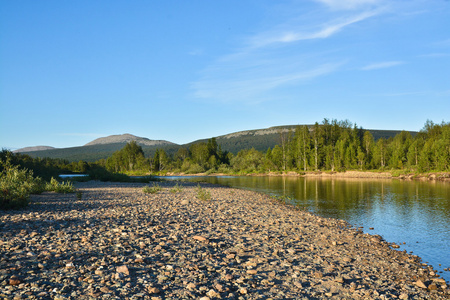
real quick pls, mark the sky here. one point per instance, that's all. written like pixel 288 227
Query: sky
pixel 74 71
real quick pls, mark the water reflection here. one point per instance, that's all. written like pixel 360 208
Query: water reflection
pixel 416 213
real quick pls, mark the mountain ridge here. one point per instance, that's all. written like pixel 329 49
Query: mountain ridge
pixel 33 148
pixel 102 148
pixel 126 138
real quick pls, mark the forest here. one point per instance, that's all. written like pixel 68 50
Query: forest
pixel 333 145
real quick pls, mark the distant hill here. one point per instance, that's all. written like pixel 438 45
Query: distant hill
pixel 126 138
pixel 35 148
pixel 102 148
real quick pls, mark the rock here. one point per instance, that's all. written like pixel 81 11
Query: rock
pixel 420 284
pixel 153 290
pixel 403 296
pixel 14 280
pixel 212 294
pixel 432 287
pixel 199 238
pixel 99 272
pixel 123 270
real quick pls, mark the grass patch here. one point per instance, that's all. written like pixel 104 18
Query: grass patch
pixel 60 187
pixel 156 188
pixel 176 189
pixel 203 194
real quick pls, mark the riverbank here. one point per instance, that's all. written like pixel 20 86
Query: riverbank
pixel 439 176
pixel 117 242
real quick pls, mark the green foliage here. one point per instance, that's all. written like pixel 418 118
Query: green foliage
pixel 129 158
pixel 247 161
pixel 203 194
pixel 156 188
pixel 329 146
pixel 60 187
pixel 176 189
pixel 282 199
pixel 16 185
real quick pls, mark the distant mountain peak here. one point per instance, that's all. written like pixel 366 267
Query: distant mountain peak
pixel 35 148
pixel 126 138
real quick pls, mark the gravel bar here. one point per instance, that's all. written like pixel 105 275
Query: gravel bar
pixel 118 242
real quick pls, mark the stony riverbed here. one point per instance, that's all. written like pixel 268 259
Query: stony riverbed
pixel 117 242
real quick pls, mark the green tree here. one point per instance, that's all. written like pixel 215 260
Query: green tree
pixel 302 140
pixel 368 144
pixel 129 158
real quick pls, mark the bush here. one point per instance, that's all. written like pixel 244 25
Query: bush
pixel 195 169
pixel 176 189
pixel 156 188
pixel 203 194
pixel 63 187
pixel 16 185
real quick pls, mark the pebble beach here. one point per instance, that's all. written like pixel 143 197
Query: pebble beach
pixel 118 242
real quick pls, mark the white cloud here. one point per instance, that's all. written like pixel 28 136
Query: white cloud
pixel 276 58
pixel 382 65
pixel 435 55
pixel 349 4
pixel 325 30
pixel 256 84
pixel 92 135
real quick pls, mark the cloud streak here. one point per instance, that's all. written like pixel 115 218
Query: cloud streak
pixel 276 58
pixel 253 89
pixel 325 30
pixel 349 4
pixel 382 65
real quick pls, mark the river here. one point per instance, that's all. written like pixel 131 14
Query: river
pixel 413 214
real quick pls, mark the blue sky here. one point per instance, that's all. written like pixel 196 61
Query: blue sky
pixel 73 71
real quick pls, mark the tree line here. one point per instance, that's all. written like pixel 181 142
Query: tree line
pixel 328 146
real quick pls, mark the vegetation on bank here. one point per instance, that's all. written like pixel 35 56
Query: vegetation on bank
pixel 22 175
pixel 334 146
pixel 16 185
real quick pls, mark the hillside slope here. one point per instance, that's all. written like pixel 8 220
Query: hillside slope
pixel 102 148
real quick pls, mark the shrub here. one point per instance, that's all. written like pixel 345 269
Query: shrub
pixel 203 194
pixel 63 187
pixel 176 189
pixel 16 185
pixel 152 190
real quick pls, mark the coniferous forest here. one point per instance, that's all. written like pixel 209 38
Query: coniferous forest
pixel 335 146
pixel 331 146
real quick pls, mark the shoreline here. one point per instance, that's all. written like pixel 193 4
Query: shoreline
pixel 436 176
pixel 118 241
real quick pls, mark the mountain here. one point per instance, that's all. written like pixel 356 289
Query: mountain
pixel 126 138
pixel 102 148
pixel 35 148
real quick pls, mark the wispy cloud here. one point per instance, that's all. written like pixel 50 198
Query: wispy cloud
pixel 349 4
pixel 253 88
pixel 382 65
pixel 323 31
pixel 81 134
pixel 435 55
pixel 276 58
